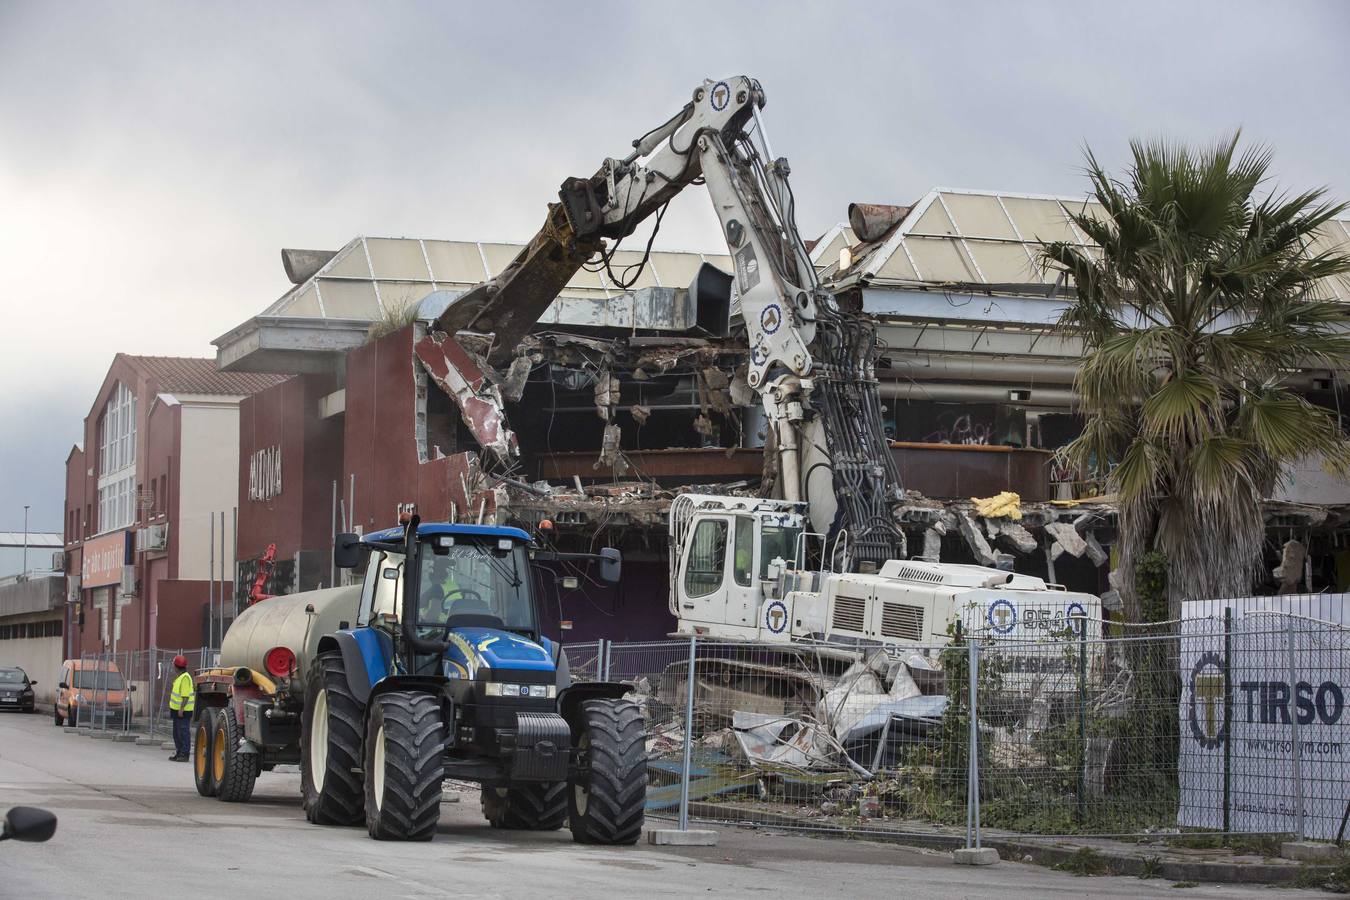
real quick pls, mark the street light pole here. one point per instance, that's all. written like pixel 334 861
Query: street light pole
pixel 25 540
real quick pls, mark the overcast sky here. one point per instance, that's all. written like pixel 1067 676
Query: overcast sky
pixel 154 158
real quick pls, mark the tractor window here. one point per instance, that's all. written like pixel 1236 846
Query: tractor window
pixel 707 558
pixel 776 542
pixel 475 578
pixel 384 581
pixel 744 561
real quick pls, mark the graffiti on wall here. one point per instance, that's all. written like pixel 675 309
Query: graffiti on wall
pixel 960 427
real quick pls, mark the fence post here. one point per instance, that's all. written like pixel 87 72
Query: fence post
pixel 101 671
pixel 972 787
pixel 1293 727
pixel 1227 722
pixel 1082 717
pixel 688 736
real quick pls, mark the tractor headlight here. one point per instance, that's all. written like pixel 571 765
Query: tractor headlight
pixel 532 691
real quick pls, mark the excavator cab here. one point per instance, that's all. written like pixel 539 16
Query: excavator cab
pixel 731 558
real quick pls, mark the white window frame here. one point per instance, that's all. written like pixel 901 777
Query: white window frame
pixel 117 461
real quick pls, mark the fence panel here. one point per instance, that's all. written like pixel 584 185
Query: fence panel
pixel 1204 726
pixel 584 660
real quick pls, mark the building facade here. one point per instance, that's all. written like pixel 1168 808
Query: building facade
pixel 622 396
pixel 150 498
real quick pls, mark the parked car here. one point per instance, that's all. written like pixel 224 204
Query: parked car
pixel 16 689
pixel 92 693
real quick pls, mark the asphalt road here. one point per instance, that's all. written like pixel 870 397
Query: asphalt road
pixel 131 825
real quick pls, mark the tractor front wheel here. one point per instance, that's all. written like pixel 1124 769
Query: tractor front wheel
pixel 608 795
pixel 405 738
pixel 330 745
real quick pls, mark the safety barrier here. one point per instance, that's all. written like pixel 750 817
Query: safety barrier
pixel 1191 729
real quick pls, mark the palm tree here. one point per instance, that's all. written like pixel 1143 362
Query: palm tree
pixel 1203 299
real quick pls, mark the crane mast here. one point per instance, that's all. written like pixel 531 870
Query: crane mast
pixel 812 363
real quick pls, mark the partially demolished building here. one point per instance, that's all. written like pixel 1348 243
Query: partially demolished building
pixel 619 398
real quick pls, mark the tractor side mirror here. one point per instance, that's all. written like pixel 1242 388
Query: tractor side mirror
pixel 63 686
pixel 28 823
pixel 131 688
pixel 347 551
pixel 611 565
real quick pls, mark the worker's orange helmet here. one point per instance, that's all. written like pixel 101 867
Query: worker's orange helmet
pixel 180 661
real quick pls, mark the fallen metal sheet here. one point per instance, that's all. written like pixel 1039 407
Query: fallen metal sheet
pixel 778 740
pixel 925 709
pixel 703 783
pixel 479 401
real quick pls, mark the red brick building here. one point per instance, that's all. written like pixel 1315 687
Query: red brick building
pixel 144 496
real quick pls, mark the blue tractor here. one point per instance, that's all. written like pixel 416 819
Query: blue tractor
pixel 444 674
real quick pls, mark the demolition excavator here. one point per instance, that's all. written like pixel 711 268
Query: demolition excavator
pixel 435 666
pixel 825 558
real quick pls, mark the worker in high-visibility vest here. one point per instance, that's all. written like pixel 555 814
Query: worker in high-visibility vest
pixel 182 701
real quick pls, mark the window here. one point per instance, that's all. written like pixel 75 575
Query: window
pixel 744 561
pixel 99 679
pixel 474 578
pixel 777 542
pixel 384 584
pixel 707 558
pixel 117 461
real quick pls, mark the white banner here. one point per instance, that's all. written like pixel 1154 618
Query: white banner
pixel 1268 708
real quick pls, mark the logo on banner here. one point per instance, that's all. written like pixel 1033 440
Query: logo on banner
pixel 776 617
pixel 1002 616
pixel 1206 713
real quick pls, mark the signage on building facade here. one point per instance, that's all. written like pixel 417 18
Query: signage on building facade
pixel 103 559
pixel 264 473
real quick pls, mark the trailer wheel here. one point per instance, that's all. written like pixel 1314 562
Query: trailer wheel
pixel 330 745
pixel 534 806
pixel 235 772
pixel 203 733
pixel 404 770
pixel 607 797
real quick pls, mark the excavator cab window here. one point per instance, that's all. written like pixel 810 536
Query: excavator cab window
pixel 744 560
pixel 777 542
pixel 707 558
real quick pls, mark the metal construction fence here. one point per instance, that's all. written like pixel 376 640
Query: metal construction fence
pixel 1220 725
pixel 125 691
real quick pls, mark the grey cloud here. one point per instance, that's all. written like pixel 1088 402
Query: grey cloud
pixel 154 157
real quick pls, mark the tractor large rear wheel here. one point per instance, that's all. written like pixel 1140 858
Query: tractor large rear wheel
pixel 330 745
pixel 405 738
pixel 533 806
pixel 607 798
pixel 235 772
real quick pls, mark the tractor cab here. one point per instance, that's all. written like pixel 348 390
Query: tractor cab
pixel 467 576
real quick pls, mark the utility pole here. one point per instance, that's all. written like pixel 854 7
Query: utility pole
pixel 25 541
